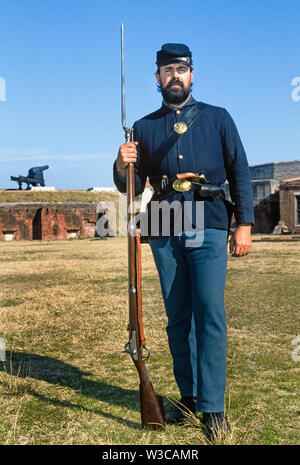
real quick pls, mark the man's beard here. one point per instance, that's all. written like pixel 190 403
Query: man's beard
pixel 175 95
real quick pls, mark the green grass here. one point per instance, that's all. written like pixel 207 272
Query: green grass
pixel 63 309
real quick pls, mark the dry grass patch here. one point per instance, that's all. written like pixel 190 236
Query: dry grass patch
pixel 64 313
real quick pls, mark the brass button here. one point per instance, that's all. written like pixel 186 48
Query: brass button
pixel 180 157
pixel 178 112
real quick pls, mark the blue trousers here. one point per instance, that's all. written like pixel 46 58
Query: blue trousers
pixel 192 276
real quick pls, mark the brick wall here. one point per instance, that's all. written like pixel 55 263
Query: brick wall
pixel 47 221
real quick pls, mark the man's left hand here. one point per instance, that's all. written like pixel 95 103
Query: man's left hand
pixel 240 243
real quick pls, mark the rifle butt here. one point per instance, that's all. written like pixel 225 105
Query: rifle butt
pixel 152 407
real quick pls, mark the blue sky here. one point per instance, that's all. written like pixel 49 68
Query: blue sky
pixel 60 61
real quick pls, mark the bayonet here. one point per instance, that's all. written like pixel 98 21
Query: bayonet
pixel 128 131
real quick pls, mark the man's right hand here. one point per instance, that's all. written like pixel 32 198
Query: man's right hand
pixel 127 154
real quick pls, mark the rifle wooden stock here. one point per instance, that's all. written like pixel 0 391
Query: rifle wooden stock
pixel 151 406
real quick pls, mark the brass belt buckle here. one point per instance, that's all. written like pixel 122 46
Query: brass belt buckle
pixel 182 186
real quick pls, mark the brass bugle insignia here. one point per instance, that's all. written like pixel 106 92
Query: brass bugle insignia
pixel 182 186
pixel 180 127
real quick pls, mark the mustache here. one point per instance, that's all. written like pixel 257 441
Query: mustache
pixel 174 81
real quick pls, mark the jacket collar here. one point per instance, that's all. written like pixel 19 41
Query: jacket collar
pixel 166 108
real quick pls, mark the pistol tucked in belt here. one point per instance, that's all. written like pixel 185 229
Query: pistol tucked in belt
pixel 185 182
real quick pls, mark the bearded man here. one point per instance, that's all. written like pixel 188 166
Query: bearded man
pixel 188 149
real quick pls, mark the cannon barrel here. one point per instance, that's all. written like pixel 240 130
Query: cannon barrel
pixel 37 170
pixel 43 168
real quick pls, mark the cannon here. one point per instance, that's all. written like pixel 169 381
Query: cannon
pixel 34 177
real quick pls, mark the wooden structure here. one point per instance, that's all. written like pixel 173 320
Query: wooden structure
pixel 289 193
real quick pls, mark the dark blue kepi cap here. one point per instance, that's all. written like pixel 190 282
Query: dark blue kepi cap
pixel 174 53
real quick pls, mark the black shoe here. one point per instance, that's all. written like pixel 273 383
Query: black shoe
pixel 216 424
pixel 186 406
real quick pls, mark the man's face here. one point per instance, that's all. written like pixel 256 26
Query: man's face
pixel 175 81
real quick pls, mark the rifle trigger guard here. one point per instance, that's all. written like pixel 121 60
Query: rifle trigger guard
pixel 147 355
pixel 128 349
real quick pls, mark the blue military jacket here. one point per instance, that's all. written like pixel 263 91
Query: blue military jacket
pixel 211 146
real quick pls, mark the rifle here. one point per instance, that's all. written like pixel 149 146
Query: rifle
pixel 151 406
